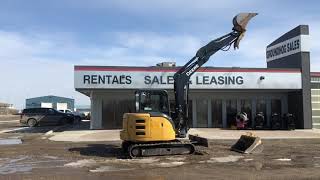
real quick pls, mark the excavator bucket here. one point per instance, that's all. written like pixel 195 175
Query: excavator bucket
pixel 240 23
pixel 241 20
pixel 198 140
pixel 248 143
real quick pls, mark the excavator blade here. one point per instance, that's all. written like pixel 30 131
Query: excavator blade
pixel 240 23
pixel 248 143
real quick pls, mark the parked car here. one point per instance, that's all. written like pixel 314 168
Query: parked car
pixel 88 116
pixel 77 116
pixel 44 116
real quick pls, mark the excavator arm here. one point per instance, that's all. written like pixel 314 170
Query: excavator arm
pixel 182 76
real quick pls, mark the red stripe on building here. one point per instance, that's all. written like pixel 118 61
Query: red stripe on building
pixel 315 73
pixel 153 69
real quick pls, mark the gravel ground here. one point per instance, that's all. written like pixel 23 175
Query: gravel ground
pixel 39 158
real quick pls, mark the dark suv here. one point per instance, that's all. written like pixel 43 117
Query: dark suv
pixel 44 116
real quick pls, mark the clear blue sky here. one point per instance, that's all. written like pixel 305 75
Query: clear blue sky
pixel 42 40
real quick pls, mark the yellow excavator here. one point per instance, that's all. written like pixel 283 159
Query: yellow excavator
pixel 153 129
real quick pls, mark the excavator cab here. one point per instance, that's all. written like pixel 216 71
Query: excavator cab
pixel 152 101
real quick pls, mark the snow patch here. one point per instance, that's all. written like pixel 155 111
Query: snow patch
pixel 10 141
pixel 170 164
pixel 81 163
pixel 141 161
pixel 283 159
pixel 316 165
pixel 50 157
pixel 49 133
pixel 246 160
pixel 226 159
pixel 27 163
pixel 108 169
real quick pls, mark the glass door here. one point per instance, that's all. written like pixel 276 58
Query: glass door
pixel 202 113
pixel 262 108
pixel 246 106
pixel 216 110
pixel 231 109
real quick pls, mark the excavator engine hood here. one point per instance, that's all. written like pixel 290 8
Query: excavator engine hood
pixel 240 23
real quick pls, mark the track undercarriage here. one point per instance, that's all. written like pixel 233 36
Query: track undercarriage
pixel 139 149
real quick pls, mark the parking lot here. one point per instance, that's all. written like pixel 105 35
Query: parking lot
pixel 37 157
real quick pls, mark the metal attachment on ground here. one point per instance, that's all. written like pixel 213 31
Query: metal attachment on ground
pixel 248 143
pixel 240 23
pixel 199 141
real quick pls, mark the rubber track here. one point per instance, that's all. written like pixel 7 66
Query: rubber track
pixel 158 145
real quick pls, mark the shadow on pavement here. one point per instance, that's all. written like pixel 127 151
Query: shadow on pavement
pixel 26 129
pixel 43 129
pixel 82 125
pixel 100 150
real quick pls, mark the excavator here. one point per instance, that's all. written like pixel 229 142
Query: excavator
pixel 153 129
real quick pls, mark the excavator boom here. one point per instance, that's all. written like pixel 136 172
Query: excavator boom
pixel 182 76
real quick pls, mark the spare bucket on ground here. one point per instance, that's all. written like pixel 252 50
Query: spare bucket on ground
pixel 199 141
pixel 248 143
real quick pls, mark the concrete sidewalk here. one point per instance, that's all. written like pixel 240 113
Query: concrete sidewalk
pixel 86 135
pixel 210 133
pixel 213 133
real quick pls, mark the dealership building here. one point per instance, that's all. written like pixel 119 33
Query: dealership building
pixel 216 94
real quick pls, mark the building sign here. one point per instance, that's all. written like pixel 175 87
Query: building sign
pixel 118 79
pixel 291 46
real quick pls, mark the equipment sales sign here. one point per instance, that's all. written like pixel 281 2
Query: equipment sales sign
pixel 288 47
pixel 200 80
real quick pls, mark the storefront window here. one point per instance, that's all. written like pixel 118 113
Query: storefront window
pixel 108 114
pixel 246 106
pixel 231 107
pixel 113 110
pixel 202 112
pixel 190 113
pixel 276 106
pixel 315 105
pixel 216 110
pixel 262 107
pixel 315 100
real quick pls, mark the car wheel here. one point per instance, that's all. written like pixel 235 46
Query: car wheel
pixel 32 122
